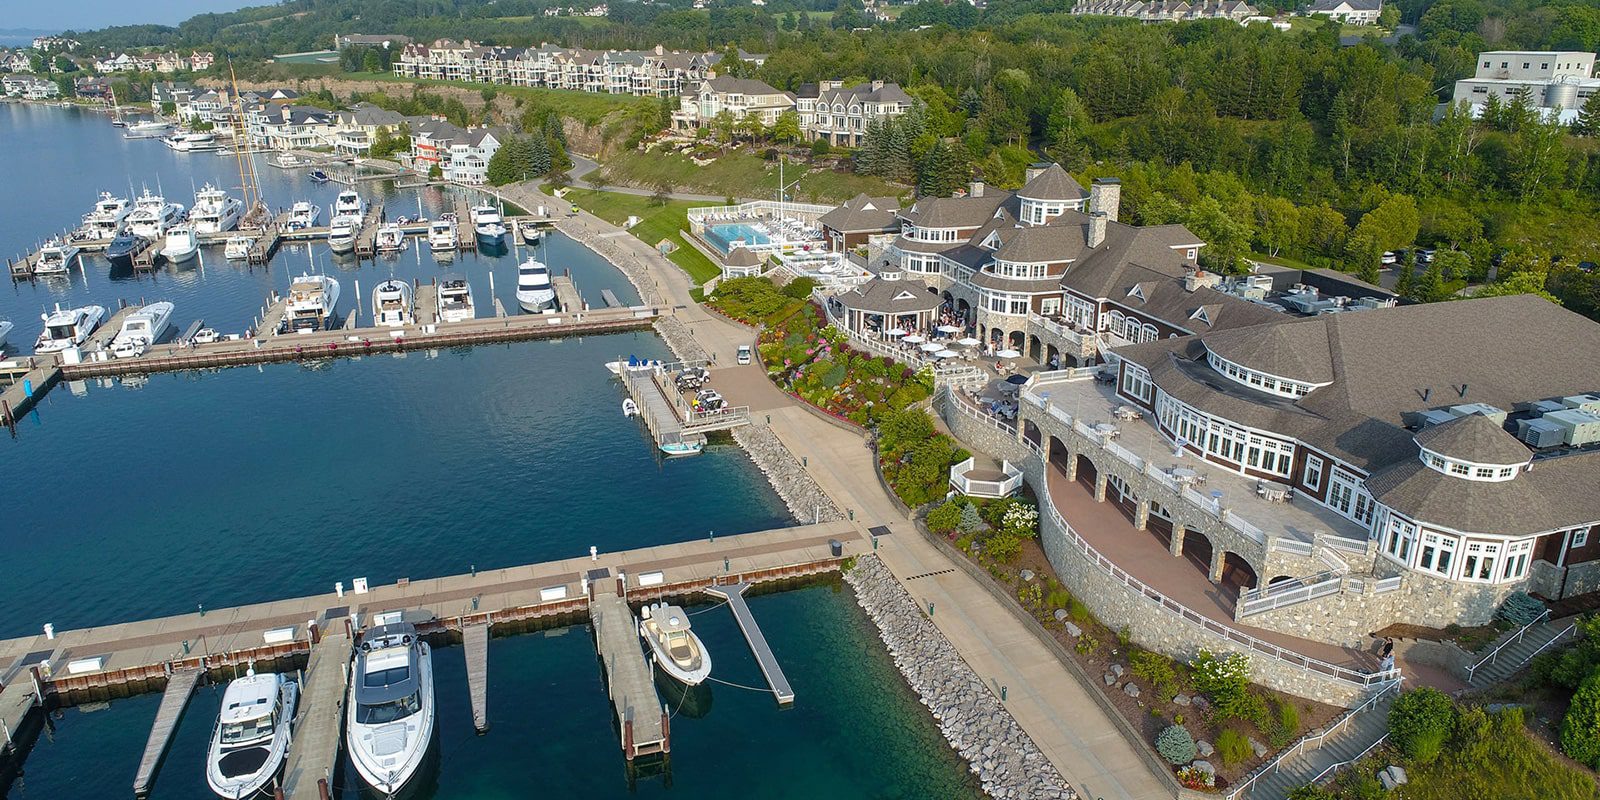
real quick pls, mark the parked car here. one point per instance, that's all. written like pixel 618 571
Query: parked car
pixel 1390 257
pixel 744 355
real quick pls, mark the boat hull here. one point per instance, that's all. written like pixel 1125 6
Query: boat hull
pixel 392 781
pixel 257 783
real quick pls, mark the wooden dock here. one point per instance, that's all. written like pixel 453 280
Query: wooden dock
pixel 475 641
pixel 567 297
pixel 21 717
pixel 664 411
pixel 466 232
pixel 174 699
pixel 367 237
pixel 319 721
pixel 641 716
pixel 266 245
pixel 610 298
pixel 734 594
pixel 15 400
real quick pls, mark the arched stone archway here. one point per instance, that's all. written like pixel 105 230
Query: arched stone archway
pixel 1161 528
pixel 1016 341
pixel 1087 472
pixel 1035 349
pixel 1197 550
pixel 1237 574
pixel 1052 356
pixel 1118 494
pixel 1031 433
pixel 1058 455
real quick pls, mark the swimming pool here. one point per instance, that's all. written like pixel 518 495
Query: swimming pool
pixel 721 236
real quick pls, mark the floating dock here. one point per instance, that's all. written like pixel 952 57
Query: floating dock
pixel 319 721
pixel 734 594
pixel 475 643
pixel 664 411
pixel 174 699
pixel 640 714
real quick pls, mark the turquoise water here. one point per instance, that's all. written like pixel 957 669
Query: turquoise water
pixel 151 496
pixel 723 236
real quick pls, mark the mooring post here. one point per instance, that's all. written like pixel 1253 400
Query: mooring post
pixel 322 789
pixel 666 729
pixel 627 739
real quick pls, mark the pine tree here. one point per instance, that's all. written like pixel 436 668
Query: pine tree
pixel 1588 123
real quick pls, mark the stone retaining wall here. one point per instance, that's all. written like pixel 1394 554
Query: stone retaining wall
pixel 805 499
pixel 1006 761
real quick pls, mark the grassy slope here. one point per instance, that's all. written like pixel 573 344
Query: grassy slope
pixel 582 106
pixel 657 222
pixel 740 175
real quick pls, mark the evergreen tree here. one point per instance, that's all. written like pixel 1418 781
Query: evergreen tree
pixel 1430 288
pixel 1588 123
pixel 943 171
pixel 1408 272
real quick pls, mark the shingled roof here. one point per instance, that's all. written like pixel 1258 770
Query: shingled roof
pixel 1474 438
pixel 892 297
pixel 863 214
pixel 1557 493
pixel 1052 184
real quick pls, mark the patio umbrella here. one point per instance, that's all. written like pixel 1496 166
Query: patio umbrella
pixel 931 347
pixel 945 354
pixel 1008 353
pixel 968 342
pixel 895 332
pixel 1016 380
pixel 948 329
pixel 916 338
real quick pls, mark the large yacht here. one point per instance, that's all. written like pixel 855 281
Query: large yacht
pixel 214 211
pixel 152 215
pixel 390 238
pixel 56 256
pixel 148 129
pixel 181 244
pixel 390 717
pixel 107 218
pixel 304 214
pixel 348 202
pixel 488 224
pixel 192 141
pixel 534 292
pixel 251 738
pixel 342 233
pixel 455 300
pixel 676 648
pixel 123 248
pixel 442 234
pixel 391 304
pixel 312 301
pixel 141 329
pixel 68 327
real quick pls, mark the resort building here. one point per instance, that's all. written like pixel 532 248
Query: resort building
pixel 1556 82
pixel 1349 12
pixel 645 73
pixel 741 97
pixel 861 221
pixel 1167 10
pixel 840 115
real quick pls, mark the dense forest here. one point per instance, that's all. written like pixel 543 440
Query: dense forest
pixel 1295 144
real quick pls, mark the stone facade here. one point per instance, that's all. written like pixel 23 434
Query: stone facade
pixel 1006 761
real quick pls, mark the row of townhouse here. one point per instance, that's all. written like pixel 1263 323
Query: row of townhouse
pixel 154 62
pixel 29 87
pixel 644 73
pixel 828 110
pixel 1167 10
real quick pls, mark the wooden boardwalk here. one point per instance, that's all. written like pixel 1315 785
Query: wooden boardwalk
pixel 475 641
pixel 567 297
pixel 734 594
pixel 174 699
pixel 641 717
pixel 319 722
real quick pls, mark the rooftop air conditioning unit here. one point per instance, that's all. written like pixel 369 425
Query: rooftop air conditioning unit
pixel 1540 433
pixel 1479 408
pixel 1578 428
pixel 1583 402
pixel 1432 417
pixel 1542 407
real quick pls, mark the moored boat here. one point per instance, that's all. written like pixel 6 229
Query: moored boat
pixel 455 300
pixel 56 256
pixel 488 224
pixel 181 243
pixel 252 735
pixel 391 304
pixel 303 214
pixel 390 718
pixel 342 233
pixel 123 248
pixel 313 300
pixel 391 238
pixel 148 129
pixel 68 327
pixel 238 247
pixel 107 219
pixel 680 446
pixel 5 331
pixel 152 215
pixel 349 202
pixel 674 646
pixel 214 211
pixel 442 234
pixel 629 408
pixel 141 329
pixel 534 292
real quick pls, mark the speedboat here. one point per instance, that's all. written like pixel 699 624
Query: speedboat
pixel 674 647
pixel 342 233
pixel 192 142
pixel 683 447
pixel 391 304
pixel 534 292
pixel 55 257
pixel 312 300
pixel 389 725
pixel 488 223
pixel 123 248
pixel 442 234
pixel 106 220
pixel 391 239
pixel 318 176
pixel 238 247
pixel 214 211
pixel 152 215
pixel 304 214
pixel 181 244
pixel 148 129
pixel 632 365
pixel 348 202
pixel 68 327
pixel 141 329
pixel 455 300
pixel 629 408
pixel 252 735
pixel 530 234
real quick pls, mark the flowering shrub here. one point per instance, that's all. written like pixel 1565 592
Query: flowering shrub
pixel 1021 520
pixel 1196 778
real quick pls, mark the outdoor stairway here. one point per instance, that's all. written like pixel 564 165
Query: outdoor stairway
pixel 1515 655
pixel 1344 745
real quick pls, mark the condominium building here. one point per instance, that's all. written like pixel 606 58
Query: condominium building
pixel 1349 12
pixel 741 97
pixel 1167 10
pixel 840 114
pixel 646 73
pixel 1547 79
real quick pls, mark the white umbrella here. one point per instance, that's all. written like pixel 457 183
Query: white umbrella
pixel 915 338
pixel 968 342
pixel 931 347
pixel 945 354
pixel 895 332
pixel 1008 354
pixel 949 329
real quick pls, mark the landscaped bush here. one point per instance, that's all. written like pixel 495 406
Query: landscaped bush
pixel 1176 745
pixel 1227 682
pixel 749 300
pixel 1233 747
pixel 1021 520
pixel 971 520
pixel 945 518
pixel 915 458
pixel 1520 608
pixel 1580 729
pixel 816 362
pixel 1569 667
pixel 1155 669
pixel 1283 724
pixel 1003 547
pixel 1420 722
pixel 799 288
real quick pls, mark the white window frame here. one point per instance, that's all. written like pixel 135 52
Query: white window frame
pixel 1314 466
pixel 1580 538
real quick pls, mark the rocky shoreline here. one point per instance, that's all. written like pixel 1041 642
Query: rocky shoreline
pixel 805 499
pixel 979 728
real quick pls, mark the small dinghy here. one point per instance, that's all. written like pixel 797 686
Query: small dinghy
pixel 629 408
pixel 676 649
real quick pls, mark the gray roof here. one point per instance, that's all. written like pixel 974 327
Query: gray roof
pixel 955 212
pixel 742 257
pixel 1053 184
pixel 1474 438
pixel 866 93
pixel 863 214
pixel 1358 5
pixel 1556 493
pixel 1299 352
pixel 891 297
pixel 746 86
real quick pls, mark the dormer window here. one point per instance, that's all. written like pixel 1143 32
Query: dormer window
pixel 1468 470
pixel 1201 316
pixel 1136 291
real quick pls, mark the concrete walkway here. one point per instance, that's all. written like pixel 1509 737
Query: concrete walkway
pixel 1050 704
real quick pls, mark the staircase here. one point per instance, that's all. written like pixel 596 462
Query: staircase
pixel 1515 650
pixel 1319 754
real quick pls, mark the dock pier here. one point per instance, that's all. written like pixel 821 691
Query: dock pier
pixel 174 700
pixel 641 716
pixel 475 642
pixel 734 594
pixel 319 723
pixel 567 297
pixel 668 417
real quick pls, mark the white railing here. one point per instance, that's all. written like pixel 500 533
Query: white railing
pixel 1314 740
pixel 1512 639
pixel 966 406
pixel 1347 545
pixel 1288 593
pixel 1062 375
pixel 1227 632
pixel 1388 585
pixel 743 211
pixel 980 488
pixel 1295 546
pixel 1338 765
pixel 958 374
pixel 1332 559
pixel 1243 526
pixel 1084 342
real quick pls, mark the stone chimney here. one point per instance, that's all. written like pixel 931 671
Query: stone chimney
pixel 975 189
pixel 1104 197
pixel 876 85
pixel 1097 228
pixel 1034 171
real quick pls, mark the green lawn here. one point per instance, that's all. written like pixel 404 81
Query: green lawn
pixel 741 174
pixel 585 107
pixel 657 222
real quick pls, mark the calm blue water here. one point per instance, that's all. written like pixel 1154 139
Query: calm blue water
pixel 723 236
pixel 150 496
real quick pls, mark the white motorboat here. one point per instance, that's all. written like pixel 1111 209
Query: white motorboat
pixel 68 327
pixel 632 365
pixel 390 239
pixel 148 129
pixel 238 247
pixel 251 738
pixel 348 202
pixel 141 329
pixel 5 330
pixel 530 234
pixel 455 300
pixel 442 234
pixel 629 408
pixel 206 336
pixel 342 233
pixel 303 214
pixel 683 447
pixel 107 218
pixel 389 724
pixel 214 211
pixel 152 215
pixel 391 304
pixel 181 244
pixel 192 142
pixel 534 292
pixel 488 223
pixel 676 648
pixel 56 256
pixel 312 302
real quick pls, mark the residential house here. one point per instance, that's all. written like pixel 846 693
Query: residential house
pixel 291 127
pixel 98 88
pixel 1349 12
pixel 840 115
pixel 29 87
pixel 51 44
pixel 742 97
pixel 1167 10
pixel 201 60
pixel 168 63
pixel 468 155
pixel 646 73
pixel 16 61
pixel 357 126
pixel 1556 82
pixel 205 105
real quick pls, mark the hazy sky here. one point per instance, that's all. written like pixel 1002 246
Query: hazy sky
pixel 88 14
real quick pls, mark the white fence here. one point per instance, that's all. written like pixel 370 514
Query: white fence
pixel 978 488
pixel 1288 593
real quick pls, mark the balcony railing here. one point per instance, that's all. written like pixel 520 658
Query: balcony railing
pixel 981 488
pixel 1288 593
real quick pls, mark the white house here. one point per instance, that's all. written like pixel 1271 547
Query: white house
pixel 741 97
pixel 1350 12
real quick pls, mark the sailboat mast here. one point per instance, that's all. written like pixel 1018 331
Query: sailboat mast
pixel 249 183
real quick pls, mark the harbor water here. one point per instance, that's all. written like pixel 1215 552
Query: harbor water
pixel 150 496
